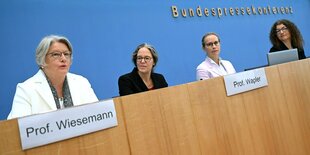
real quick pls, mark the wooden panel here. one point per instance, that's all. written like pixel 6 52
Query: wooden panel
pixel 198 118
pixel 264 115
pixel 221 121
pixel 9 138
pixel 179 119
pixel 161 122
pixel 144 123
pixel 255 122
pixel 109 141
pixel 295 77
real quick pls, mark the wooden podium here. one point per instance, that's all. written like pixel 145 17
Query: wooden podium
pixel 198 118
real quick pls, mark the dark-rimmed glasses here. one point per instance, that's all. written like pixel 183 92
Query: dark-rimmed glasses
pixel 57 55
pixel 216 43
pixel 146 59
pixel 283 29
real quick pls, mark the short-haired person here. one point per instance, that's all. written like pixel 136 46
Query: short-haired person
pixel 213 65
pixel 52 87
pixel 285 35
pixel 142 77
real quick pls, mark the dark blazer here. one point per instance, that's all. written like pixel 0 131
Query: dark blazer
pixel 301 52
pixel 132 83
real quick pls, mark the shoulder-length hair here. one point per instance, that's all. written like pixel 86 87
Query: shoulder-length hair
pixel 296 37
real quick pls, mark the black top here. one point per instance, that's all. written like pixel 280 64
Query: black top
pixel 301 52
pixel 132 83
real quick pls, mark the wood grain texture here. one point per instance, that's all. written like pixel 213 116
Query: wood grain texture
pixel 199 118
pixel 110 141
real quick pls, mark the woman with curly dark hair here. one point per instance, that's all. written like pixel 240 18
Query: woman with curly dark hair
pixel 284 35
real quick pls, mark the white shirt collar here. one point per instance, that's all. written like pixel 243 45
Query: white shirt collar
pixel 208 59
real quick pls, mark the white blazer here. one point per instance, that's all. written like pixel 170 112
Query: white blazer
pixel 209 69
pixel 35 96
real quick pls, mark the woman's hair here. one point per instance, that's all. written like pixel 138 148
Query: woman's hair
pixel 208 34
pixel 296 37
pixel 148 46
pixel 44 46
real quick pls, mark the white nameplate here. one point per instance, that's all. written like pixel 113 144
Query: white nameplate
pixel 245 81
pixel 41 129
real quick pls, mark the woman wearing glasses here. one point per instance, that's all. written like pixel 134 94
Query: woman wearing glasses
pixel 142 77
pixel 213 65
pixel 285 35
pixel 52 87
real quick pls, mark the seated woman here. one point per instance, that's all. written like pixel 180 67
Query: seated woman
pixel 53 86
pixel 285 35
pixel 142 77
pixel 213 65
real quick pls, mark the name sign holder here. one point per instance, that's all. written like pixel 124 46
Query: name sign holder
pixel 245 81
pixel 45 128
